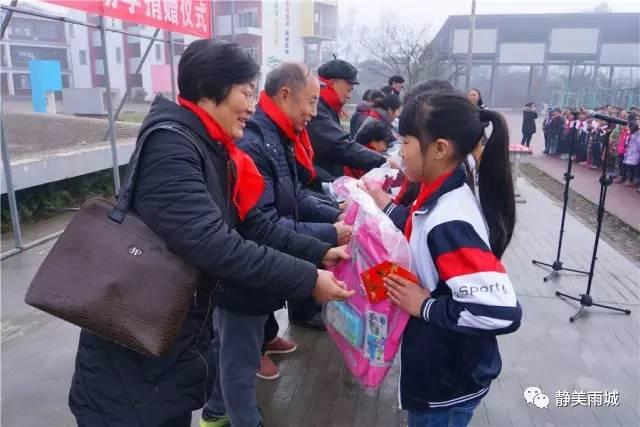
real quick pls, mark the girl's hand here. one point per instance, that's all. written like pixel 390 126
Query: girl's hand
pixel 379 196
pixel 406 294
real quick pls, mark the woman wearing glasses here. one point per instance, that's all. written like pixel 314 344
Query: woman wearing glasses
pixel 198 193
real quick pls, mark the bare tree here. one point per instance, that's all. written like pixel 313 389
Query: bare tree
pixel 349 45
pixel 406 51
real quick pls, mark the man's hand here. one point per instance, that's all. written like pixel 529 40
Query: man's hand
pixel 405 294
pixel 381 197
pixel 335 255
pixel 344 232
pixel 328 288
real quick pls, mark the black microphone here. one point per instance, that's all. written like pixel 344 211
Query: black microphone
pixel 594 115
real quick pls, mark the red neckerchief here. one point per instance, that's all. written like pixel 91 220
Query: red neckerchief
pixel 582 125
pixel 357 173
pixel 374 114
pixel 331 97
pixel 406 184
pixel 301 142
pixel 249 184
pixel 426 190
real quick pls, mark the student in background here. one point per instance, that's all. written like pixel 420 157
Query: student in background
pixel 631 160
pixel 395 86
pixel 375 136
pixel 529 116
pixel 621 148
pixel 385 110
pixel 369 98
pixel 475 97
pixel 555 131
pixel 580 148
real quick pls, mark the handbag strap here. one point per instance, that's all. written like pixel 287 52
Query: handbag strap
pixel 125 197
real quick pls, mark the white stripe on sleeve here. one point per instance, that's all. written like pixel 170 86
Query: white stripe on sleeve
pixel 481 322
pixel 487 288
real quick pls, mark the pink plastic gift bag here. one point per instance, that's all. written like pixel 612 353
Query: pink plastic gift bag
pixel 368 335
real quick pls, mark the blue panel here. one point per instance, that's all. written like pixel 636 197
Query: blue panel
pixel 45 77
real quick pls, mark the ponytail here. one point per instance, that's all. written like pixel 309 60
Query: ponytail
pixel 496 184
pixel 454 118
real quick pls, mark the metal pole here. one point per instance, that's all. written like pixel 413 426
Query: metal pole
pixel 112 134
pixel 530 85
pixel 570 75
pixel 128 90
pixel 472 25
pixel 32 244
pixel 47 16
pixel 11 194
pixel 233 20
pixel 173 71
pixel 610 78
pixel 7 18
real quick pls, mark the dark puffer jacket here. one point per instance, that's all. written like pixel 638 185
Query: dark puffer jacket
pixel 334 149
pixel 183 198
pixel 284 200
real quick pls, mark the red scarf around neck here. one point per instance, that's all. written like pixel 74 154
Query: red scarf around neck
pixel 406 185
pixel 374 114
pixel 331 97
pixel 301 142
pixel 426 190
pixel 249 184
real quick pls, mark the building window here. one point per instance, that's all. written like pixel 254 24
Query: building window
pixel 248 18
pixel 22 55
pixel 83 57
pixel 21 82
pixel 118 55
pixel 71 31
pixel 158 52
pixel 178 46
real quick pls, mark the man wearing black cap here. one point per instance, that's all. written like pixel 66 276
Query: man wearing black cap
pixel 332 146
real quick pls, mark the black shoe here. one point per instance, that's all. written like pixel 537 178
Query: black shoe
pixel 314 322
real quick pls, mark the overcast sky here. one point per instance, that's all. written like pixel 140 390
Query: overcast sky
pixel 435 12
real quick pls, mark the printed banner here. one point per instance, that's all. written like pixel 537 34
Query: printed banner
pixel 182 16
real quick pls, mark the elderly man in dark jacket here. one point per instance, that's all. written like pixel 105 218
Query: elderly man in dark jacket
pixel 277 140
pixel 332 146
pixel 185 193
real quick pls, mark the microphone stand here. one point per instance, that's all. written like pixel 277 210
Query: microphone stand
pixel 557 265
pixel 586 300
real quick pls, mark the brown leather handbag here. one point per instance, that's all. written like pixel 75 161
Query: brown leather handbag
pixel 110 274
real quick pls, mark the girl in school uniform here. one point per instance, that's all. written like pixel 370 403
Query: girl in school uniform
pixel 465 298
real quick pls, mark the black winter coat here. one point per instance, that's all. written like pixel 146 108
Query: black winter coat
pixel 556 126
pixel 184 199
pixel 529 122
pixel 284 201
pixel 334 149
pixel 358 117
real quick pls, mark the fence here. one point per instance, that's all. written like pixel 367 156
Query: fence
pixel 595 98
pixel 66 146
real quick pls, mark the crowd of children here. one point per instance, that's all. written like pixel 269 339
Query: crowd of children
pixel 593 137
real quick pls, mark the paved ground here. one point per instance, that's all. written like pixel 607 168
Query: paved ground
pixel 623 202
pixel 599 352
